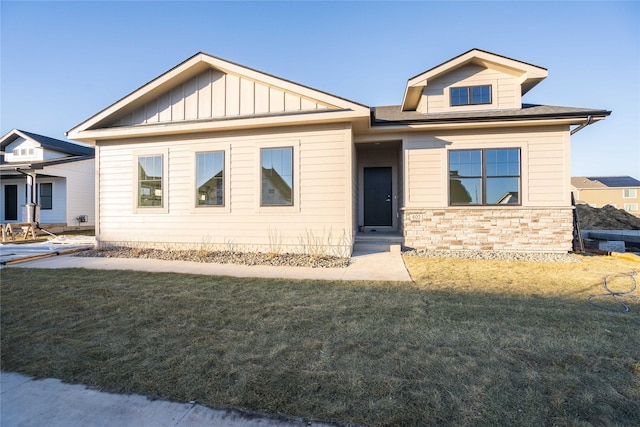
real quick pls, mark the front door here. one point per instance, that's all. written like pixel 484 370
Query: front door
pixel 377 197
pixel 10 202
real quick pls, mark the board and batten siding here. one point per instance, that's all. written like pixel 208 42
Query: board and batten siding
pixel 214 94
pixel 321 214
pixel 545 173
pixel 505 90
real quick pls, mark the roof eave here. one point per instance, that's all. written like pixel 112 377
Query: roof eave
pixel 196 126
pixel 485 122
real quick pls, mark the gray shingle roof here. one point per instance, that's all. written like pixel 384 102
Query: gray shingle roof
pixel 58 145
pixel 390 115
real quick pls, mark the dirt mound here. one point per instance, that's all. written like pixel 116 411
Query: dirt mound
pixel 606 218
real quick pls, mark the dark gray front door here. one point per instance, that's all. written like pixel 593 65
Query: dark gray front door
pixel 10 202
pixel 377 197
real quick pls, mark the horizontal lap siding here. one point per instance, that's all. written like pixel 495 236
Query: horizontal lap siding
pixel 424 168
pixel 545 168
pixel 79 189
pixel 548 170
pixel 321 211
pixel 505 89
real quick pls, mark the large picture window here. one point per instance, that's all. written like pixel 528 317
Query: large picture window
pixel 484 177
pixel 150 181
pixel 46 196
pixel 276 176
pixel 210 179
pixel 470 95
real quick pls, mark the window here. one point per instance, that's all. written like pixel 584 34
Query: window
pixel 631 207
pixel 470 95
pixel 629 193
pixel 46 196
pixel 210 179
pixel 484 177
pixel 276 176
pixel 150 181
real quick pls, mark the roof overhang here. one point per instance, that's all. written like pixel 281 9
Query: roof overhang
pixel 91 136
pixel 478 124
pixel 528 75
pixel 40 165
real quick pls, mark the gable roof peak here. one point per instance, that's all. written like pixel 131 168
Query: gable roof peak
pixel 528 74
pixel 66 147
pixel 191 68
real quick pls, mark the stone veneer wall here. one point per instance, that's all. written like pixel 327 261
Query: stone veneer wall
pixel 489 229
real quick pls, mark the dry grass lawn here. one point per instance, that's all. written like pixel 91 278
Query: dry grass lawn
pixel 469 343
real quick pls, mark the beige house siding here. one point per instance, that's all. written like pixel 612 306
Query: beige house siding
pixel 429 221
pixel 321 214
pixel 505 90
pixel 545 174
pixel 608 196
pixel 214 94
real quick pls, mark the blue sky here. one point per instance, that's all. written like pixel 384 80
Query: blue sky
pixel 62 62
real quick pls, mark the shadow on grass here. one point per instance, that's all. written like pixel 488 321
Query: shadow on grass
pixel 365 353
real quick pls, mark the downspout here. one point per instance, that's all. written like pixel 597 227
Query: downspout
pixel 31 189
pixel 583 125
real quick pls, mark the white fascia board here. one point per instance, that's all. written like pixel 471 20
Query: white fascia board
pixel 172 128
pixel 478 125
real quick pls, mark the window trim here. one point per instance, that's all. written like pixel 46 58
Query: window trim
pixel 39 196
pixel 627 207
pixel 635 193
pixel 295 165
pixel 470 95
pixel 164 208
pixel 225 148
pixel 483 177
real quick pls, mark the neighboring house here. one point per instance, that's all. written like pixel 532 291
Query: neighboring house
pixel 56 176
pixel 622 192
pixel 462 163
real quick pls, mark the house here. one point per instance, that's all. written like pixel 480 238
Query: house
pixel 55 177
pixel 622 192
pixel 461 163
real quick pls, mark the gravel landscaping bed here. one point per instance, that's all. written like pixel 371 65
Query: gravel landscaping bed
pixel 491 255
pixel 222 257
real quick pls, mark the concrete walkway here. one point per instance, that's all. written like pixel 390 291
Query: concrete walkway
pixel 25 402
pixel 369 266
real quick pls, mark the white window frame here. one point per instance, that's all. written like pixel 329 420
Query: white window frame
pixel 164 152
pixel 277 143
pixel 629 193
pixel 631 207
pixel 210 148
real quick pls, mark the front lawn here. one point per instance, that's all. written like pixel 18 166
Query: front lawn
pixel 470 342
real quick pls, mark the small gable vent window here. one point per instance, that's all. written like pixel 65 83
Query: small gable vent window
pixel 470 95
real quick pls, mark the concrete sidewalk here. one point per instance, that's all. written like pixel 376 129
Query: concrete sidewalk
pixel 49 402
pixel 369 266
